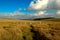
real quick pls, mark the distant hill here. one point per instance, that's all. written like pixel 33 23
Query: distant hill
pixel 48 19
pixel 36 19
pixel 43 18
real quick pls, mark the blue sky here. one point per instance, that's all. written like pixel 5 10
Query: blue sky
pixel 13 5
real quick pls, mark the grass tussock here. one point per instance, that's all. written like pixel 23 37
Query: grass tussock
pixel 29 30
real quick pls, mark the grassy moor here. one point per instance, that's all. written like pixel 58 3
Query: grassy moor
pixel 48 29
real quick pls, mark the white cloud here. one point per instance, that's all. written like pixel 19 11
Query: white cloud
pixel 40 13
pixel 45 4
pixel 58 12
pixel 41 5
pixel 12 14
pixel 54 4
pixel 19 8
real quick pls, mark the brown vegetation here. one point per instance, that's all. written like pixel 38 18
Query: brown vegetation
pixel 29 30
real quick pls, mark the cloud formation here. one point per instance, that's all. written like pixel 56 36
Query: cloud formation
pixel 54 4
pixel 39 5
pixel 43 5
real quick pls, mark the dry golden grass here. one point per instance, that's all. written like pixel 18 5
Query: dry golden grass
pixel 29 30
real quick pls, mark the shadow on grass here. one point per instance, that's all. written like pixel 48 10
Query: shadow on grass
pixel 37 35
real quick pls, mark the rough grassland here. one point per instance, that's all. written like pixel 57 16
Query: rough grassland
pixel 29 30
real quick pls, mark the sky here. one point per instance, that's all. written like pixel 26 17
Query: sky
pixel 13 5
pixel 29 9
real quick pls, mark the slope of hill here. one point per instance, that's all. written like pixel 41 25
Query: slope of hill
pixel 29 29
pixel 48 19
